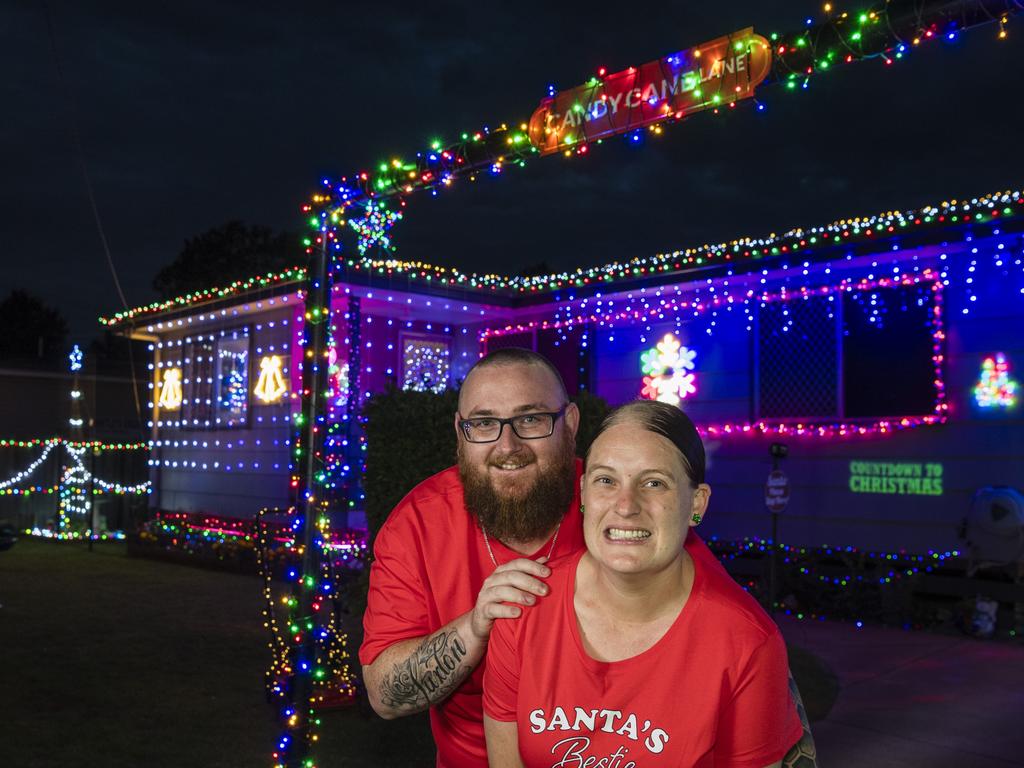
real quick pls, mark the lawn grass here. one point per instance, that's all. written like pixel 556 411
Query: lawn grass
pixel 114 661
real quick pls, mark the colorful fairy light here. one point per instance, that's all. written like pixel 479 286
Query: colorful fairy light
pixel 985 214
pixel 669 367
pixel 995 388
pixel 648 308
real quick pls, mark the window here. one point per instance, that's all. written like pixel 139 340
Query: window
pixel 860 354
pixel 197 408
pixel 232 379
pixel 426 364
pixel 797 365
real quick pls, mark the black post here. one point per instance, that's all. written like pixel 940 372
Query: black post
pixel 775 539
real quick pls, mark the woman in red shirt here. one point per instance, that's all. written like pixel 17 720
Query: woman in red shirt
pixel 645 652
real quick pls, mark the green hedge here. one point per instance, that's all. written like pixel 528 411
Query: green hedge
pixel 411 436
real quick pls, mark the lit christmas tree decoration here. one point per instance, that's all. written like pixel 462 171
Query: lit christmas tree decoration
pixel 75 359
pixel 374 227
pixel 669 367
pixel 995 388
pixel 270 386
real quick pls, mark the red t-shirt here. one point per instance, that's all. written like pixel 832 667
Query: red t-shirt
pixel 429 564
pixel 713 691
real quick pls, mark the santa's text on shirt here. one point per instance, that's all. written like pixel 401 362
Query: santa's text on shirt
pixel 573 750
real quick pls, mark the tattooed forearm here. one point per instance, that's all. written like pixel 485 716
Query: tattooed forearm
pixel 430 673
pixel 803 754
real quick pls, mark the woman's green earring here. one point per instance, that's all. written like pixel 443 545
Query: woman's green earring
pixel 696 519
pixel 582 509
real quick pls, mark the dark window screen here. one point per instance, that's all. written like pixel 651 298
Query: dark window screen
pixel 197 410
pixel 887 352
pixel 562 346
pixel 797 359
pixel 524 339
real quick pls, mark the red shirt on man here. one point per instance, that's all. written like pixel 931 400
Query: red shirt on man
pixel 430 562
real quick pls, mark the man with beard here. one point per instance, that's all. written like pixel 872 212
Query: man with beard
pixel 468 544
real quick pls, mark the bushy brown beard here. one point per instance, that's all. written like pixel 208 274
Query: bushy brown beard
pixel 523 517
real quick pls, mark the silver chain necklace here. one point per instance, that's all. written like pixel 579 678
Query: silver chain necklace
pixel 487 543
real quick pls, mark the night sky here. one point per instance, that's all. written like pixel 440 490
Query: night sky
pixel 193 114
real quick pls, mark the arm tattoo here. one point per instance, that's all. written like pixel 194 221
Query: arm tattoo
pixel 428 676
pixel 803 754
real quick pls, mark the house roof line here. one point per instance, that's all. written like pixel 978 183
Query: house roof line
pixel 924 223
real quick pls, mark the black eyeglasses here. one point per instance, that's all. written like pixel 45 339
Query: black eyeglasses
pixel 527 426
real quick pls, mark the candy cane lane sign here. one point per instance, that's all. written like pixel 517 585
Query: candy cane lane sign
pixel 716 73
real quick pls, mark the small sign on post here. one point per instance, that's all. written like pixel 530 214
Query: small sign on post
pixel 776 498
pixel 776 491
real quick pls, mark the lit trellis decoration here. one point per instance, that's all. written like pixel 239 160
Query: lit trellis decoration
pixel 374 228
pixel 995 388
pixel 74 502
pixel 666 366
pixel 426 366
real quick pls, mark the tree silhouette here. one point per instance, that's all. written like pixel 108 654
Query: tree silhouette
pixel 224 254
pixel 30 329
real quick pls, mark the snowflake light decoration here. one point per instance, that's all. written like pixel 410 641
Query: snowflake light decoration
pixel 667 366
pixel 374 227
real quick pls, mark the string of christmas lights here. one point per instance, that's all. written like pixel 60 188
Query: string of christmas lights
pixel 839 572
pixel 75 450
pixel 987 212
pixel 888 32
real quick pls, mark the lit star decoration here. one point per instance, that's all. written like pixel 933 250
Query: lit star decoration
pixel 995 388
pixel 374 228
pixel 669 368
pixel 170 390
pixel 270 386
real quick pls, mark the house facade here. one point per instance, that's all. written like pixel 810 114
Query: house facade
pixel 882 352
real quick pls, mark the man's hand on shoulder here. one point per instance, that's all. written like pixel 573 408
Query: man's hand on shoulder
pixel 512 584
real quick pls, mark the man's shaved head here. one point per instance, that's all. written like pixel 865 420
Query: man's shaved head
pixel 517 356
